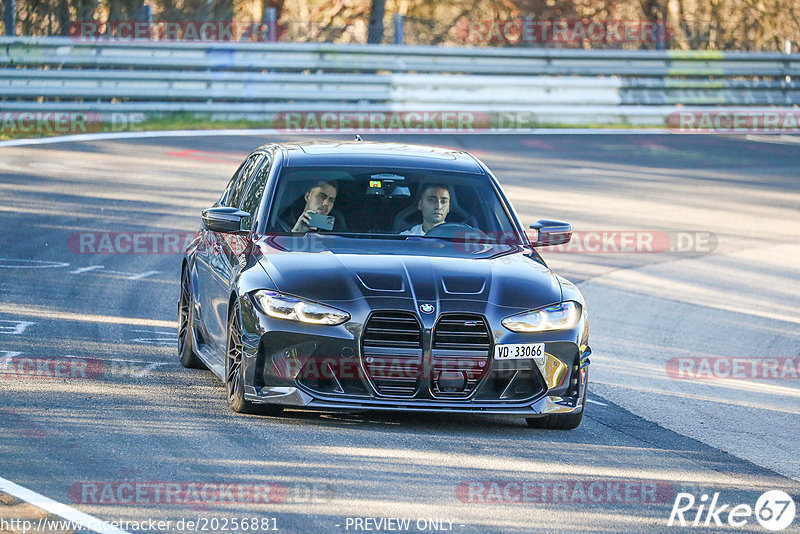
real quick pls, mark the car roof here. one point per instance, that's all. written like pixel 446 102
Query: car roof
pixel 365 153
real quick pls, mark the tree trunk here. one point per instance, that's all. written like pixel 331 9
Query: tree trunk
pixel 375 30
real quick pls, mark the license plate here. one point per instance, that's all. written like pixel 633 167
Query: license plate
pixel 519 351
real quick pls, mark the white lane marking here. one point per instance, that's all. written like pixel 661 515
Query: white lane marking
pixel 154 337
pixel 141 275
pixel 146 370
pixel 111 271
pixel 61 510
pixel 159 341
pixel 87 269
pixel 135 135
pixel 263 132
pixel 153 332
pixel 774 139
pixel 108 359
pixel 7 359
pixel 16 329
pixel 596 402
pixel 12 263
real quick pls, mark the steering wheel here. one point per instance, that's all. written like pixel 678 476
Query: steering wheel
pixel 450 230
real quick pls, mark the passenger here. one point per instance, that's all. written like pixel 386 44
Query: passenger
pixel 434 203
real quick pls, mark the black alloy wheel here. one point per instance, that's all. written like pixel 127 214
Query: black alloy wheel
pixel 186 349
pixel 234 370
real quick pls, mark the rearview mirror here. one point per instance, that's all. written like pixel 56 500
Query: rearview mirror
pixel 551 233
pixel 223 219
pixel 385 185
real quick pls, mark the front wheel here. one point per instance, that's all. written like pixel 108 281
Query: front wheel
pixel 234 370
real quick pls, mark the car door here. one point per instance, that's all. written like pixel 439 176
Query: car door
pixel 223 259
pixel 203 257
pixel 234 248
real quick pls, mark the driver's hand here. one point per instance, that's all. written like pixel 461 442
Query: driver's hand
pixel 302 224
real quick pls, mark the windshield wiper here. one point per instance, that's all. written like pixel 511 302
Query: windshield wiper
pixel 365 235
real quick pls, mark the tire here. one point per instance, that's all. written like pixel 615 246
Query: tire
pixel 234 370
pixel 186 349
pixel 560 421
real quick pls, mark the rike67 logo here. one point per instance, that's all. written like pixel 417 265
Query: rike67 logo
pixel 774 510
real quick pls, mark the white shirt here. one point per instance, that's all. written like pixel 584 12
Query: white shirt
pixel 415 230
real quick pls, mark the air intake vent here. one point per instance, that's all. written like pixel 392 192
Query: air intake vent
pixel 392 352
pixel 460 355
pixel 467 332
pixel 393 329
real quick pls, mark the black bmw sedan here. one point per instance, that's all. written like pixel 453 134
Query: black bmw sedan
pixel 375 276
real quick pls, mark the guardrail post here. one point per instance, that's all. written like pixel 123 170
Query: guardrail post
pixel 9 19
pixel 270 22
pixel 397 20
pixel 661 36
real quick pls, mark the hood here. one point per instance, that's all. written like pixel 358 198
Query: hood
pixel 336 269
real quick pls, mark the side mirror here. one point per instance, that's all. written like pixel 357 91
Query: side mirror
pixel 225 220
pixel 551 233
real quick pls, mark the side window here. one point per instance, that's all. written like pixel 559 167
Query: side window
pixel 223 200
pixel 252 198
pixel 237 192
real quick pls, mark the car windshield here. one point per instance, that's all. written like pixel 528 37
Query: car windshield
pixel 390 203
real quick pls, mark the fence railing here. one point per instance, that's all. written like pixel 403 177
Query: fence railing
pixel 559 85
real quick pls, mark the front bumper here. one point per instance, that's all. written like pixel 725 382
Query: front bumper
pixel 277 354
pixel 294 397
pixel 562 390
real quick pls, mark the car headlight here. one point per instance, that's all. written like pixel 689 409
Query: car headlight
pixel 293 309
pixel 557 317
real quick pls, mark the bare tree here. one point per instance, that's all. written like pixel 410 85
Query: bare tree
pixel 375 32
pixel 692 24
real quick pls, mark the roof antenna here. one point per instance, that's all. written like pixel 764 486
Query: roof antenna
pixel 358 138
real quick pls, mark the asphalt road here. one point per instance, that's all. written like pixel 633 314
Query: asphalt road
pixel 723 285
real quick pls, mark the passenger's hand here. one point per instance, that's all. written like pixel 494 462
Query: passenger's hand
pixel 302 224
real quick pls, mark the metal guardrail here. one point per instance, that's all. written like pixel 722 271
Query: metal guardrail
pixel 251 78
pixel 30 51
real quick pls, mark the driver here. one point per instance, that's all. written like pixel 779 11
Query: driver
pixel 319 199
pixel 434 203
